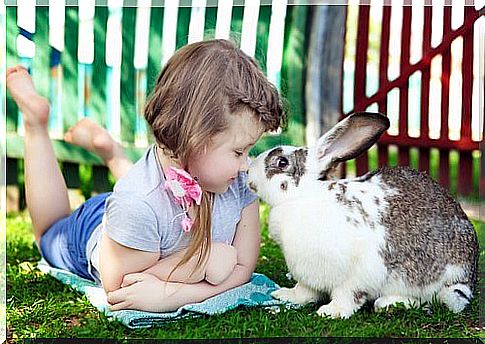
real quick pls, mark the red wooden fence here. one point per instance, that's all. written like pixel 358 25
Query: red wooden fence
pixel 465 146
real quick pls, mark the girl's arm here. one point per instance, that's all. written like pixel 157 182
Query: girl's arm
pixel 116 261
pixel 185 273
pixel 143 291
pixel 221 261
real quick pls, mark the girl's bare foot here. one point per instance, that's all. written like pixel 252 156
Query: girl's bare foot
pixel 92 137
pixel 34 108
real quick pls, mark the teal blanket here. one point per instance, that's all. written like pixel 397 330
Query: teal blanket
pixel 254 293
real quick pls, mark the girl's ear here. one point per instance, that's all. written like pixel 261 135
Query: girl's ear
pixel 349 138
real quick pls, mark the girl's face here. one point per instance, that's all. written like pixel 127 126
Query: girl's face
pixel 227 154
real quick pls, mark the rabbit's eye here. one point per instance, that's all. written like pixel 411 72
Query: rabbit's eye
pixel 282 162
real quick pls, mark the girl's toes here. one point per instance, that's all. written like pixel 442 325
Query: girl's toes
pixel 10 70
pixel 68 136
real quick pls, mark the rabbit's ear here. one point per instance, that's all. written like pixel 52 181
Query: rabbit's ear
pixel 349 138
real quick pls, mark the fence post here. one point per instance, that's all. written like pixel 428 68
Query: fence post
pixel 85 56
pixel 113 67
pixel 424 152
pixel 56 41
pixel 361 162
pixel 249 27
pixel 465 171
pixel 383 149
pixel 223 21
pixel 444 175
pixel 403 155
pixel 276 37
pixel 140 62
pixel 25 43
pixel 323 88
pixel 293 71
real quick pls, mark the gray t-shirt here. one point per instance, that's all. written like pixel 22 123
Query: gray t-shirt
pixel 142 215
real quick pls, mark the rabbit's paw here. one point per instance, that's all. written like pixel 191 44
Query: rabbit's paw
pixel 293 295
pixel 384 302
pixel 285 294
pixel 335 310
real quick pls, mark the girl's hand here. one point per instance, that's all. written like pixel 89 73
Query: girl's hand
pixel 142 292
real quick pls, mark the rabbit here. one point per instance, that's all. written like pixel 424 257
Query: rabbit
pixel 390 236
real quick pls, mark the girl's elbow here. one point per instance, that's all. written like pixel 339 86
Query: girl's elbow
pixel 111 282
pixel 246 273
pixel 111 276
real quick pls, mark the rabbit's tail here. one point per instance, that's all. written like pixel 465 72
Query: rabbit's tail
pixel 456 296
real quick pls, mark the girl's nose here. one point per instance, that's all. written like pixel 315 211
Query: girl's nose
pixel 245 164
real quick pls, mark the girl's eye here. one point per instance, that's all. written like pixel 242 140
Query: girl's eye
pixel 238 154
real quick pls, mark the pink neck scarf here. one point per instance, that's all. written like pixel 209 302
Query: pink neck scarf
pixel 185 191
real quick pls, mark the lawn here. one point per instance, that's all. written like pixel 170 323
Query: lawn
pixel 40 306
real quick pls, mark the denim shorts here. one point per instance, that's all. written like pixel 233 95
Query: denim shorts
pixel 63 245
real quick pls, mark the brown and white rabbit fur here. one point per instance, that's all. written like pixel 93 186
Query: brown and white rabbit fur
pixel 392 235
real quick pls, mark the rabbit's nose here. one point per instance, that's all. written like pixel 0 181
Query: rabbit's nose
pixel 252 187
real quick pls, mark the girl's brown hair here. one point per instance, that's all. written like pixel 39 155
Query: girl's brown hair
pixel 200 84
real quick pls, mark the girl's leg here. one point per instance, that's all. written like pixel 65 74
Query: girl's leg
pixel 45 188
pixel 92 137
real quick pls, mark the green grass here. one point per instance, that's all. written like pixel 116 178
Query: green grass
pixel 40 306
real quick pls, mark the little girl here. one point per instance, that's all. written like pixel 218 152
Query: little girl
pixel 180 225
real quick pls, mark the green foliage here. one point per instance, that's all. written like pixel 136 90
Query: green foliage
pixel 38 306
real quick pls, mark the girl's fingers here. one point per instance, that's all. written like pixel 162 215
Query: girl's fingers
pixel 117 296
pixel 130 279
pixel 119 306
